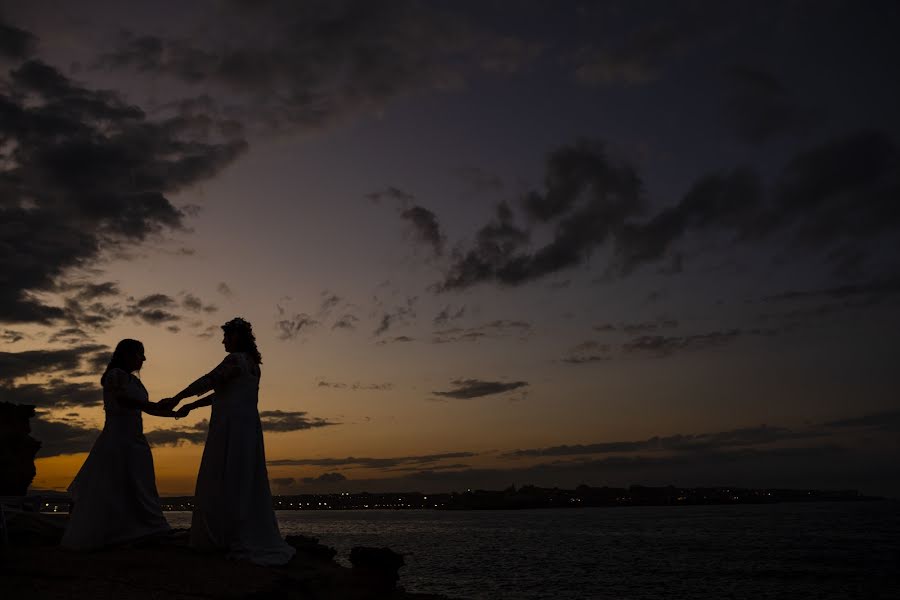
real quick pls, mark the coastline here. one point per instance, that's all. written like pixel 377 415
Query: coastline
pixel 34 566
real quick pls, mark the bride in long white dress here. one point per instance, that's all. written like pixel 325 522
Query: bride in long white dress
pixel 114 493
pixel 233 502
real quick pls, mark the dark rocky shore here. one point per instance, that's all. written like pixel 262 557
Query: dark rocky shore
pixel 32 566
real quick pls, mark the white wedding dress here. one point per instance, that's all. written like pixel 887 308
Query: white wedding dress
pixel 114 493
pixel 233 503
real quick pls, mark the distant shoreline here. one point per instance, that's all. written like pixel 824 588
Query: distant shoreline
pixel 525 497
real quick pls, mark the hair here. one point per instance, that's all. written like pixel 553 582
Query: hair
pixel 246 341
pixel 124 349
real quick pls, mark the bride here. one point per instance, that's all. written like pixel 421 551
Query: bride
pixel 233 503
pixel 114 493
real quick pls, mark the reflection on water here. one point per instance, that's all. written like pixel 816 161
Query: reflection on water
pixel 827 550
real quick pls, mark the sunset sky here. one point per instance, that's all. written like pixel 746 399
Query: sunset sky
pixel 481 243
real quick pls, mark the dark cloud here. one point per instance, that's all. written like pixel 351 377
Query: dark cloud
pixel 14 365
pixel 499 328
pixel 347 321
pixel 11 336
pixel 224 289
pixel 746 436
pixel 400 315
pixel 355 386
pixel 426 227
pixel 322 61
pixel 87 292
pixel 371 463
pixel 588 352
pixel 715 202
pixel 644 326
pixel 58 437
pixel 195 304
pixel 447 314
pixel 15 43
pixel 55 393
pixel 191 435
pixel 887 421
pixel 586 196
pixel 280 421
pixel 476 388
pixel 325 478
pixel 399 339
pixel 661 345
pixel 843 189
pixel 880 287
pixel 761 107
pixel 100 158
pixel 400 197
pixel 290 328
pixel 329 301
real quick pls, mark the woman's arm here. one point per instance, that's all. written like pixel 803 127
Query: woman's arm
pixel 117 382
pixel 204 401
pixel 226 370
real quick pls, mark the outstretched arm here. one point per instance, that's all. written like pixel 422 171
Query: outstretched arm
pixel 227 369
pixel 204 401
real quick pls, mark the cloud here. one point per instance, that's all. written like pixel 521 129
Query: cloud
pixel 194 304
pixel 588 352
pixel 347 321
pixel 15 365
pixel 15 43
pixel 746 436
pixel 497 329
pixel 587 197
pixel 329 301
pixel 191 435
pixel 290 328
pixel 58 437
pixel 101 158
pixel 886 420
pixel 154 309
pixel 661 346
pixel 281 421
pixel 325 478
pixel 55 393
pixel 400 197
pixel 323 62
pixel 426 227
pixel 224 289
pixel 399 339
pixel 370 463
pixel 355 386
pixel 11 336
pixel 476 388
pixel 399 315
pixel 762 108
pixel 447 314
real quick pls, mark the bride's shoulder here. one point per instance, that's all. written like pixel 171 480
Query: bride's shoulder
pixel 115 378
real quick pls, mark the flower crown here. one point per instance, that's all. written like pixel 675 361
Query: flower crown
pixel 237 323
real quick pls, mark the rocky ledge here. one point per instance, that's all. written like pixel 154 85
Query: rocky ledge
pixel 33 567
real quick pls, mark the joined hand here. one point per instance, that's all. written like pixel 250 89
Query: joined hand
pixel 182 412
pixel 168 403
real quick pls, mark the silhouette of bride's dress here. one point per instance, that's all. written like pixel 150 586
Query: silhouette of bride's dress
pixel 233 503
pixel 114 493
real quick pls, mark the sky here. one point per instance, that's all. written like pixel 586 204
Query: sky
pixel 481 244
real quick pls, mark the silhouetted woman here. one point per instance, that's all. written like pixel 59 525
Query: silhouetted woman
pixel 233 503
pixel 114 493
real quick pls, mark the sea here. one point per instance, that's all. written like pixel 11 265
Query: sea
pixel 840 550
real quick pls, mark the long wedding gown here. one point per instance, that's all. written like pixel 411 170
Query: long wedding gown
pixel 233 503
pixel 114 493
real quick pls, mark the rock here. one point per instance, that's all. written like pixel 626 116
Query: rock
pixel 379 566
pixel 17 449
pixel 310 548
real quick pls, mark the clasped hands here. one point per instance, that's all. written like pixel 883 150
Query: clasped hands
pixel 170 403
